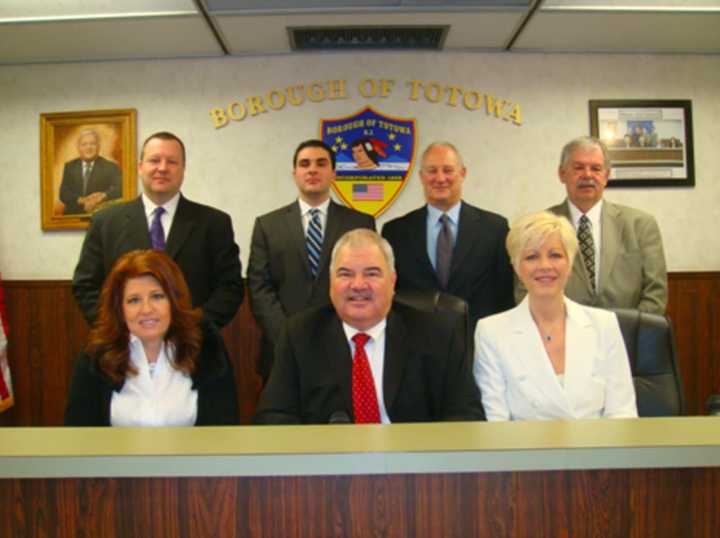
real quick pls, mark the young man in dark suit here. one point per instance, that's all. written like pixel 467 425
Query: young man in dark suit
pixel 291 246
pixel 449 245
pixel 199 238
pixel 365 359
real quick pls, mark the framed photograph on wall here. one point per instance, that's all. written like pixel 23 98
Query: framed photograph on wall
pixel 87 162
pixel 650 142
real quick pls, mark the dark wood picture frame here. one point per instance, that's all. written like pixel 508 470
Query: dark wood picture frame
pixel 650 141
pixel 70 192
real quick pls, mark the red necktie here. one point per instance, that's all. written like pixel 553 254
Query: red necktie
pixel 365 404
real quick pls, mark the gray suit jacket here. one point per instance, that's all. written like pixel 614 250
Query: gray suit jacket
pixel 632 262
pixel 279 279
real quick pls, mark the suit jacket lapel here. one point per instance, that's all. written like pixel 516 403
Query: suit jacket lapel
pixel 294 226
pixel 418 241
pixel 467 227
pixel 134 233
pixel 580 351
pixel 526 339
pixel 330 236
pixel 578 271
pixel 398 351
pixel 337 347
pixel 182 226
pixel 611 231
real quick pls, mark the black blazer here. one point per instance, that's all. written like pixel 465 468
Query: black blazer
pixel 480 272
pixel 105 177
pixel 279 279
pixel 426 376
pixel 201 242
pixel 91 392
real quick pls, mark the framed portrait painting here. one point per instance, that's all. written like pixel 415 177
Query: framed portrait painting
pixel 87 163
pixel 650 142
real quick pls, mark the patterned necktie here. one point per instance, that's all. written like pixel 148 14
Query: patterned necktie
pixel 157 234
pixel 443 252
pixel 587 248
pixel 313 241
pixel 365 403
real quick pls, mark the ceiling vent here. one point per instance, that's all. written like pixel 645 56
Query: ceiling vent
pixel 368 37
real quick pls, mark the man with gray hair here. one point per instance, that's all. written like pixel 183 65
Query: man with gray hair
pixel 90 179
pixel 620 262
pixel 449 245
pixel 365 359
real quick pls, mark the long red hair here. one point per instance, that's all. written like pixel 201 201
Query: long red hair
pixel 109 338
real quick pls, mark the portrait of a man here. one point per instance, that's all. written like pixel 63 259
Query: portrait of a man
pixel 89 179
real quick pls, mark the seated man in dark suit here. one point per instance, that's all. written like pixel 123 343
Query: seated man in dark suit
pixel 291 246
pixel 365 359
pixel 449 245
pixel 90 179
pixel 197 237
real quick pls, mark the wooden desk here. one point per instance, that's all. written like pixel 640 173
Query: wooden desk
pixel 644 478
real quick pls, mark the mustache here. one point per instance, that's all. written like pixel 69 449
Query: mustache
pixel 586 182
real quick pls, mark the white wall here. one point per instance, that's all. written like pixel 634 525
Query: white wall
pixel 244 168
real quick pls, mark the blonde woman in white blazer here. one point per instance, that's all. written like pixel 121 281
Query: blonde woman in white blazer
pixel 550 358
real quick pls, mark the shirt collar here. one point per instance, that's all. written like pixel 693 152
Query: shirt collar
pixel 373 332
pixel 305 207
pixel 170 206
pixel 593 215
pixel 453 213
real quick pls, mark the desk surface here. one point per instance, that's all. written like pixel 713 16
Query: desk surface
pixel 367 449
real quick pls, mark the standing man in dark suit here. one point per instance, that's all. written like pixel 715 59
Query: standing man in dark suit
pixel 90 179
pixel 199 238
pixel 620 262
pixel 365 360
pixel 449 245
pixel 290 254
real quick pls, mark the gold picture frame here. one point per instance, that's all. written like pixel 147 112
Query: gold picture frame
pixel 78 176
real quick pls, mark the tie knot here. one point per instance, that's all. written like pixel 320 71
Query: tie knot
pixel 360 339
pixel 584 220
pixel 159 211
pixel 314 213
pixel 444 219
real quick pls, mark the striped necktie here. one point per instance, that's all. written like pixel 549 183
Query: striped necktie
pixel 313 241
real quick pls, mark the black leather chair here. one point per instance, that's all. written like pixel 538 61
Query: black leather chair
pixel 449 309
pixel 650 345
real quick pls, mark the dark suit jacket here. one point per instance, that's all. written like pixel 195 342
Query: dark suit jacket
pixel 480 271
pixel 201 242
pixel 426 376
pixel 105 177
pixel 279 279
pixel 91 392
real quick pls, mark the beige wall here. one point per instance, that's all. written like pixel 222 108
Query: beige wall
pixel 244 167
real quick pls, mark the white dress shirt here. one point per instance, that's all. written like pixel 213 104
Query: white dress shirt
pixel 166 219
pixel 165 398
pixel 305 212
pixel 375 351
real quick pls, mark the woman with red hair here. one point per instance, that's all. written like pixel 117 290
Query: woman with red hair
pixel 151 360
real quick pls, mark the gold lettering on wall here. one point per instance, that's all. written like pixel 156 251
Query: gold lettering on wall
pixel 432 92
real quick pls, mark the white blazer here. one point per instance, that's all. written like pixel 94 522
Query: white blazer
pixel 517 380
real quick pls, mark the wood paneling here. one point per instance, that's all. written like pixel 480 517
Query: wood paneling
pixel 604 504
pixel 48 331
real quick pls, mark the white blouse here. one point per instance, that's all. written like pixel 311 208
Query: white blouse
pixel 165 398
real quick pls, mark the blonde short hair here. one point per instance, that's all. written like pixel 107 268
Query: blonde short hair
pixel 531 231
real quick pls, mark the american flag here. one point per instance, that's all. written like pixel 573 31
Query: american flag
pixel 6 393
pixel 365 191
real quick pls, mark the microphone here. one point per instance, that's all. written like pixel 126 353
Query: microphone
pixel 339 417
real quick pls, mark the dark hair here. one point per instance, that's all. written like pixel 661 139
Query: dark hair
pixel 369 151
pixel 109 338
pixel 164 135
pixel 314 143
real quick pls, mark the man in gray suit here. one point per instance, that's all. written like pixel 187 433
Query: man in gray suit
pixel 620 262
pixel 199 238
pixel 288 269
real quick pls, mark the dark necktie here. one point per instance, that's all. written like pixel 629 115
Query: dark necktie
pixel 87 169
pixel 157 234
pixel 365 403
pixel 443 252
pixel 313 241
pixel 587 248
